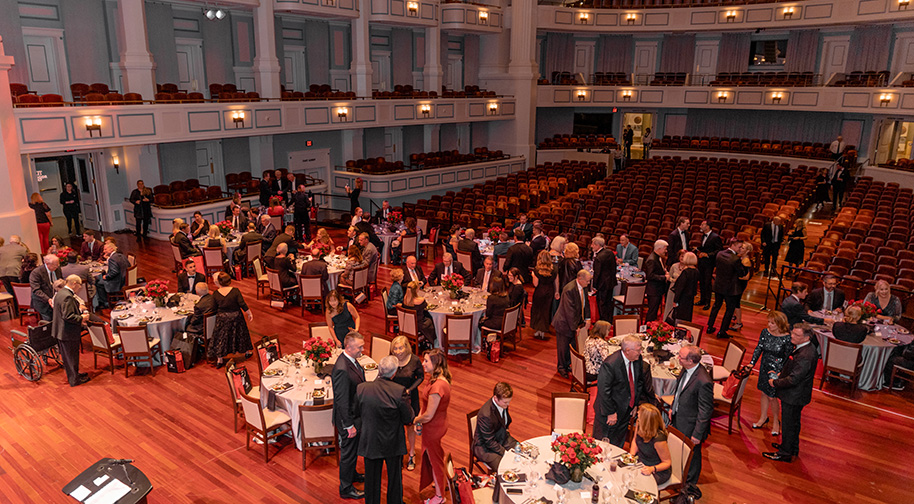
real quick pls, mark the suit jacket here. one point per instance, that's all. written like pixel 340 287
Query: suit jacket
pixel 711 246
pixel 604 271
pixel 91 251
pixel 241 252
pixel 205 306
pixel 434 278
pixel 301 202
pixel 470 246
pixel 655 275
pixel 316 267
pixel 613 391
pixel 282 238
pixel 380 215
pixel 797 312
pixel 286 268
pixel 383 411
pixel 116 276
pixel 696 403
pixel 242 221
pixel 520 256
pixel 728 268
pixel 346 377
pixel 366 227
pixel 816 299
pixel 841 178
pixel 11 256
pixel 268 234
pixel 408 278
pixel 526 228
pixel 569 317
pixel 41 284
pixel 481 276
pixel 672 254
pixel 67 320
pixel 184 284
pixel 629 254
pixel 794 383
pixel 767 235
pixel 539 244
pixel 492 430
pixel 184 245
pixel 84 274
pixel 851 333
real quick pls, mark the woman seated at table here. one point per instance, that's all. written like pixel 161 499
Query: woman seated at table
pixel 199 226
pixel 396 246
pixel 395 294
pixel 321 238
pixel 276 209
pixel 496 305
pixel 214 239
pixel 517 295
pixel 285 264
pixel 851 330
pixel 651 445
pixel 450 245
pixel 888 304
pixel 341 316
pixel 596 349
pixel 413 301
pixel 354 261
pixel 56 245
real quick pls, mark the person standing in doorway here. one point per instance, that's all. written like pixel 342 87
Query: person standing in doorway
pixel 69 200
pixel 141 197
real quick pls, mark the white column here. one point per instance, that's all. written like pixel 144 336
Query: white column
pixel 522 70
pixel 266 64
pixel 433 70
pixel 262 154
pixel 432 138
pixel 137 66
pixel 360 69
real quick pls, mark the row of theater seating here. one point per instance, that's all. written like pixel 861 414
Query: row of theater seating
pixel 423 160
pixel 185 192
pixel 651 4
pixel 569 141
pixel 812 150
pixel 864 79
pixel 903 164
pixel 765 79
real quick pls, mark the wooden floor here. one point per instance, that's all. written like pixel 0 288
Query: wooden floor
pixel 178 427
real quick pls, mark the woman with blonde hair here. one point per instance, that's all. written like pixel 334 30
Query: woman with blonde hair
pixel 851 329
pixel 568 269
pixel 43 219
pixel 432 421
pixel 395 294
pixel 557 247
pixel 650 444
pixel 774 347
pixel 543 294
pixel 889 305
pixel 409 374
pixel 596 349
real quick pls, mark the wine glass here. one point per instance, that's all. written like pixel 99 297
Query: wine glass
pixel 628 478
pixel 561 494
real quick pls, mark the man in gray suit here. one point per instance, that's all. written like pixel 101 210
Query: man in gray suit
pixel 41 280
pixel 67 325
pixel 82 271
pixel 690 413
pixel 573 314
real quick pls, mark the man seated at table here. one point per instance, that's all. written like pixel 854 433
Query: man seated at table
pixel 412 272
pixel 525 227
pixel 447 266
pixel 626 252
pixel 501 247
pixel 82 271
pixel 352 237
pixel 366 227
pixel 316 266
pixel 188 278
pixel 238 219
pixel 468 245
pixel 91 249
pixel 205 306
pixel 491 439
pixel 520 256
pixel 251 236
pixel 792 306
pixel 267 230
pixel 181 240
pixel 115 276
pixel 827 297
pixel 369 252
pixel 484 277
pixel 287 237
pixel 380 216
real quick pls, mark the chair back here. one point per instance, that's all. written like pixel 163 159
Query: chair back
pixel 842 356
pixel 311 287
pixel 569 412
pixel 634 295
pixel 131 259
pixel 625 324
pixel 408 322
pixel 509 325
pixel 422 225
pixel 681 448
pixel 738 396
pixel 500 262
pixel 695 330
pixel 408 244
pixel 231 382
pixel 176 253
pixel 209 325
pixel 321 330
pixel 380 347
pixel 132 275
pixel 360 278
pixel 580 338
pixel 459 328
pixel 253 414
pixel 277 222
pixel 465 259
pixel 99 332
pixel 23 294
pixel 578 371
pixel 134 340
pixel 252 250
pixel 316 423
pixel 133 289
pixel 733 357
pixel 83 294
pixel 273 278
pixel 212 259
pixel 263 357
pixel 258 267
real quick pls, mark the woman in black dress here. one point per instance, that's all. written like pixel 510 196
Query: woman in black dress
pixel 773 348
pixel 517 295
pixel 354 195
pixel 412 301
pixel 230 335
pixel 543 294
pixel 851 330
pixel 821 188
pixel 650 444
pixel 199 226
pixel 744 253
pixel 410 374
pixel 796 244
pixel 567 270
pixel 686 287
pixel 69 199
pixel 496 305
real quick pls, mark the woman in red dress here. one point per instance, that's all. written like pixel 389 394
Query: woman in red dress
pixel 432 422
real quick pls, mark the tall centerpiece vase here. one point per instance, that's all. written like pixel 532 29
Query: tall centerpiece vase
pixel 577 474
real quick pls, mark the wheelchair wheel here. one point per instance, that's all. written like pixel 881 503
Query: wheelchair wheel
pixel 28 363
pixel 52 353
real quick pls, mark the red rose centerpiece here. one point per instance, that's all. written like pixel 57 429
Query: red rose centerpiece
pixel 869 310
pixel 577 452
pixel 225 227
pixel 318 351
pixel 660 333
pixel 494 232
pixel 320 250
pixel 157 290
pixel 63 253
pixel 452 283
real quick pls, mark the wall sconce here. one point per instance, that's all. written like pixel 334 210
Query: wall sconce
pixel 117 164
pixel 903 4
pixel 412 9
pixel 583 17
pixel 776 97
pixel 94 124
pixel 483 17
pixel 885 99
pixel 631 18
pixel 330 3
pixel 493 108
pixel 426 109
pixel 722 97
pixel 238 117
pixel 582 94
pixel 731 16
pixel 788 12
pixel 627 95
pixel 342 113
pixel 214 14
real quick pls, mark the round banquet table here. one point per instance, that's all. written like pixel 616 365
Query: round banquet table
pixel 577 493
pixel 875 352
pixel 443 305
pixel 664 380
pixel 335 265
pixel 624 274
pixel 303 385
pixel 165 321
pixel 387 237
pixel 231 243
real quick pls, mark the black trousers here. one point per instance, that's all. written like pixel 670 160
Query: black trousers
pixel 394 479
pixel 142 226
pixel 72 221
pixel 605 305
pixel 563 342
pixel 895 358
pixel 653 306
pixel 69 354
pixel 43 309
pixel 617 432
pixel 349 448
pixel 770 258
pixel 302 223
pixel 705 277
pixel 837 194
pixel 732 303
pixel 790 428
pixel 695 467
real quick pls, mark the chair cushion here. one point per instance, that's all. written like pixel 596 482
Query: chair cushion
pixel 274 418
pixel 620 298
pixel 153 342
pixel 719 393
pixel 263 278
pixel 719 373
pixel 483 495
pixel 5 296
pixel 670 482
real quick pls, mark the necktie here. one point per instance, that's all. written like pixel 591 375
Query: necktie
pixel 485 281
pixel 412 274
pixel 583 300
pixel 827 300
pixel 774 232
pixel 678 391
pixel 631 386
pixel 504 417
pixel 52 276
pixel 447 271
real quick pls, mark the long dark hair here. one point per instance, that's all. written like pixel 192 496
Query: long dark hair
pixel 439 365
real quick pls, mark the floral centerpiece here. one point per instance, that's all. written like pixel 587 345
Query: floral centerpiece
pixel 394 218
pixel 660 333
pixel 494 232
pixel 157 290
pixel 869 310
pixel 452 283
pixel 318 351
pixel 63 253
pixel 225 227
pixel 319 250
pixel 577 452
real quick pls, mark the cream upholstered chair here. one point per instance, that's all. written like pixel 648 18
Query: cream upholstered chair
pixel 317 426
pixel 233 392
pixel 625 324
pixel 103 342
pixel 681 448
pixel 696 330
pixel 390 321
pixel 578 372
pixel 133 275
pixel 263 282
pixel 471 435
pixel 843 361
pixel 409 326
pixel 252 251
pixel 733 358
pixel 734 403
pixel 509 330
pixel 458 333
pixel 312 291
pixel 569 412
pixel 465 259
pixel 359 283
pixel 137 347
pixel 632 298
pixel 276 288
pixel 580 339
pixel 380 347
pixel 212 260
pixel 320 330
pixel 480 495
pixel 409 244
pixel 23 295
pixel 263 424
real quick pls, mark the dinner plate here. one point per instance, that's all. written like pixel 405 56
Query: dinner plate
pixel 628 459
pixel 272 372
pixel 122 316
pixel 644 497
pixel 371 366
pixel 185 312
pixel 510 477
pixel 895 341
pixel 902 330
pixel 614 341
pixel 432 306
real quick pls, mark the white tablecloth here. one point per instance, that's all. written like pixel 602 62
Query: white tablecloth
pixel 387 237
pixel 440 299
pixel 335 266
pixel 875 352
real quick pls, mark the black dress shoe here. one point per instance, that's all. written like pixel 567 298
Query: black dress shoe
pixel 776 446
pixel 563 373
pixel 80 380
pixel 83 375
pixel 694 491
pixel 780 457
pixel 710 330
pixel 358 478
pixel 723 335
pixel 352 494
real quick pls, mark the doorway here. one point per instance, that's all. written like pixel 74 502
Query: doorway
pixel 453 74
pixel 191 70
pixel 209 164
pixel 895 141
pixel 52 174
pixel 293 65
pixel 47 62
pixel 380 70
pixel 639 122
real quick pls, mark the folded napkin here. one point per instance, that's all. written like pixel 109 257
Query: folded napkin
pixel 271 399
pixel 558 473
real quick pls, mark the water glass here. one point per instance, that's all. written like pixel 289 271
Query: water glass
pixel 561 494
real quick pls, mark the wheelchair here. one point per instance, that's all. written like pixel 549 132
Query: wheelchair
pixel 32 352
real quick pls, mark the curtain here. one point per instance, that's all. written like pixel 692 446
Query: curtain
pixel 802 47
pixel 614 53
pixel 869 48
pixel 765 124
pixel 677 53
pixel 733 55
pixel 559 53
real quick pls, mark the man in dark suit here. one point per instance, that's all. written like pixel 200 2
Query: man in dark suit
pixel 692 406
pixel 525 227
pixel 604 277
pixel 572 315
pixel 91 248
pixel 772 238
pixel 288 186
pixel 288 237
pixel 839 182
pixel 180 239
pixel 68 319
pixel 268 232
pixel 623 383
pixel 82 271
pixel 301 206
pixel 658 279
pixel 484 276
pixel 678 240
pixel 251 236
pixel 238 219
pixel 793 387
pixel 41 280
pixel 540 241
pixel 206 305
pixel 188 279
pixel 520 256
pixel 469 245
pixel 316 266
pixel 381 215
pixel 116 275
pixel 827 297
pixel 711 244
pixel 266 189
pixel 728 268
pixel 448 266
pixel 366 227
pixel 491 439
pixel 793 307
pixel 412 272
pixel 347 375
pixel 383 412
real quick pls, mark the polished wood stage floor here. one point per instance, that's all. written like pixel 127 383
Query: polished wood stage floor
pixel 178 427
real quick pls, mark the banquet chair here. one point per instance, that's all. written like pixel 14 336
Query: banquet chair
pixel 82 293
pixel 471 435
pixel 569 412
pixel 103 342
pixel 265 358
pixel 23 294
pixel 509 329
pixel 733 358
pixel 233 392
pixel 320 330
pixel 359 284
pixel 276 288
pixel 458 333
pixel 390 321
pixel 681 448
pixel 380 347
pixel 632 298
pixel 696 330
pixel 898 371
pixel 6 302
pixel 579 372
pixel 252 252
pixel 263 424
pixel 431 242
pixel 131 259
pixel 137 347
pixel 625 324
pixel 843 361
pixel 735 403
pixel 465 259
pixel 409 326
pixel 481 495
pixel 580 338
pixel 212 260
pixel 263 282
pixel 312 291
pixel 176 254
pixel 276 220
pixel 317 426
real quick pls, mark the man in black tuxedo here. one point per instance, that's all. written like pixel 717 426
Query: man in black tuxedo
pixel 491 439
pixel 572 315
pixel 251 236
pixel 266 189
pixel 520 256
pixel 540 241
pixel 711 244
pixel 188 279
pixel 347 375
pixel 726 288
pixel 448 266
pixel 484 276
pixel 469 245
pixel 772 238
pixel 692 406
pixel 206 305
pixel 525 227
pixel 180 239
pixel 288 237
pixel 115 277
pixel 678 240
pixel 827 297
pixel 238 219
pixel 68 320
pixel 268 231
pixel 380 216
pixel 839 182
pixel 301 206
pixel 623 383
pixel 41 280
pixel 383 412
pixel 794 308
pixel 658 279
pixel 793 387
pixel 604 277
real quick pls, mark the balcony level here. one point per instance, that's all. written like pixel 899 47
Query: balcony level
pixel 419 13
pixel 319 8
pixel 471 18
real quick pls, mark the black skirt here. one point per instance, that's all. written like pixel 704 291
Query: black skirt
pixel 230 335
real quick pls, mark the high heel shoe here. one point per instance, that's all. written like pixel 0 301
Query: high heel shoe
pixel 775 432
pixel 760 425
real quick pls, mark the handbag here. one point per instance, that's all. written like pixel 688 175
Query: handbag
pixel 733 381
pixel 242 380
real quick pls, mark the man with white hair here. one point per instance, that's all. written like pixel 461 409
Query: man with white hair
pixel 624 382
pixel 381 406
pixel 67 324
pixel 268 231
pixel 468 244
pixel 447 266
pixel 572 315
pixel 115 277
pixel 658 278
pixel 41 280
pixel 691 409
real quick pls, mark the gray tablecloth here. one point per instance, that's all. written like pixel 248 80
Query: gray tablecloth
pixel 875 352
pixel 437 296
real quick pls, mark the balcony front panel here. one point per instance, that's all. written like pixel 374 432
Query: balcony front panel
pixel 405 12
pixel 319 8
pixel 469 18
